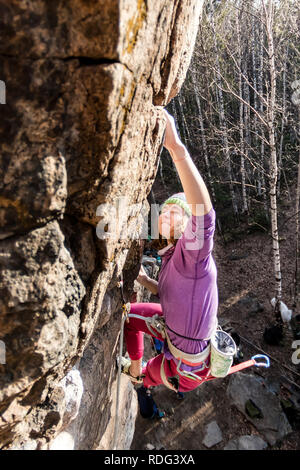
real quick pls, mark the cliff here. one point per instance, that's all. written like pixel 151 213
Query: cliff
pixel 79 131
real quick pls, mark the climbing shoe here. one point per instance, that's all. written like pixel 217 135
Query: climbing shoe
pixel 148 407
pixel 125 365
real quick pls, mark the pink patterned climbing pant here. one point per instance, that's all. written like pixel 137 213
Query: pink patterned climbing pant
pixel 134 337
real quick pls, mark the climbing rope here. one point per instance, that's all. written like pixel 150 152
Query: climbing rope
pixel 125 311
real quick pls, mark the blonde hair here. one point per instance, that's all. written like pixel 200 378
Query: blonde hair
pixel 180 229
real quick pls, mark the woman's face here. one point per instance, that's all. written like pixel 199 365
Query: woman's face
pixel 170 221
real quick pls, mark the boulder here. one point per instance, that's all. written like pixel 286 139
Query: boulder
pixel 251 303
pixel 246 443
pixel 269 419
pixel 213 435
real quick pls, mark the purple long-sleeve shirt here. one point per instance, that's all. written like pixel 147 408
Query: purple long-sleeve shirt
pixel 187 287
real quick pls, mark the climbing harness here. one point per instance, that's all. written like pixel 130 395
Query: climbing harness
pixel 156 324
pixel 205 359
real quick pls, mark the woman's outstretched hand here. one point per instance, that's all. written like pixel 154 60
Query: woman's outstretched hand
pixel 171 137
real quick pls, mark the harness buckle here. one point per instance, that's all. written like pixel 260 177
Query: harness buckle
pixel 158 322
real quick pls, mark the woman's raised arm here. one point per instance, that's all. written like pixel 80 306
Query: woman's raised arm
pixel 195 190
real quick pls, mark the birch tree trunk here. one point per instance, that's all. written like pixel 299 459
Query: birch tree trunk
pixel 255 105
pixel 269 17
pixel 241 110
pixel 262 190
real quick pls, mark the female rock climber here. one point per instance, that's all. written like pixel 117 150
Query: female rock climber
pixel 186 287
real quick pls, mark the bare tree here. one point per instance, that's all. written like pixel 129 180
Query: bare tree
pixel 203 139
pixel 283 121
pixel 268 11
pixel 241 109
pixel 223 124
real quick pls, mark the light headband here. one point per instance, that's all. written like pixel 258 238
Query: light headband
pixel 179 202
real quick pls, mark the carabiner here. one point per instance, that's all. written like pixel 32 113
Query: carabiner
pixel 261 364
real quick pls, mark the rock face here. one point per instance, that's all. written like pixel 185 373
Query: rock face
pixel 79 132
